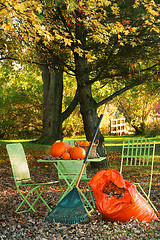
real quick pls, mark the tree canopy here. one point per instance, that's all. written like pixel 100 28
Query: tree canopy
pixel 96 41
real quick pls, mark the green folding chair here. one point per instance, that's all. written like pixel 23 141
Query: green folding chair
pixel 139 152
pixel 68 172
pixel 22 177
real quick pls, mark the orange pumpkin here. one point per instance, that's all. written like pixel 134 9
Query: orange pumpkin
pixel 58 148
pixel 80 142
pixel 77 153
pixel 66 155
pixel 86 143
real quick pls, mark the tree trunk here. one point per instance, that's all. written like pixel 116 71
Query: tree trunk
pixel 139 128
pixel 53 89
pixel 90 118
pixel 88 106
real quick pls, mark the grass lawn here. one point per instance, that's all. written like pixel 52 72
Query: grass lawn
pixel 113 146
pixel 112 143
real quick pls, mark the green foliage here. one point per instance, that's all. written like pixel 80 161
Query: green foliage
pixel 153 128
pixel 20 101
pixel 73 125
pixel 69 88
pixel 119 45
pixel 137 105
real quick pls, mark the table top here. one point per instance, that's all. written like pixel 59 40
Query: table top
pixel 57 160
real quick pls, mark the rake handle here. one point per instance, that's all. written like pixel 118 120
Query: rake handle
pixel 80 175
pixel 89 149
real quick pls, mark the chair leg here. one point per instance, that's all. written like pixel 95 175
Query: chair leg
pixel 91 195
pixel 69 187
pixel 31 205
pixel 39 196
pixel 86 200
pixel 24 200
pixel 63 191
pixel 147 197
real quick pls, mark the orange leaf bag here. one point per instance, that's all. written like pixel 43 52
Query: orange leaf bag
pixel 118 200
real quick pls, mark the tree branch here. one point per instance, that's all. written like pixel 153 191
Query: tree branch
pixel 105 63
pixel 146 69
pixel 26 61
pixel 71 107
pixel 120 92
pixel 66 26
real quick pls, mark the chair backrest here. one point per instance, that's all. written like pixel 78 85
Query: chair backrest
pixel 18 162
pixel 138 152
pixel 70 169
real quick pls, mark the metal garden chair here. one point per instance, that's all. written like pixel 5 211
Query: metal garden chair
pixel 139 152
pixel 22 177
pixel 68 172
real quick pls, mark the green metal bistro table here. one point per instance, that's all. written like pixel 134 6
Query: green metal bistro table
pixel 57 160
pixel 68 172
